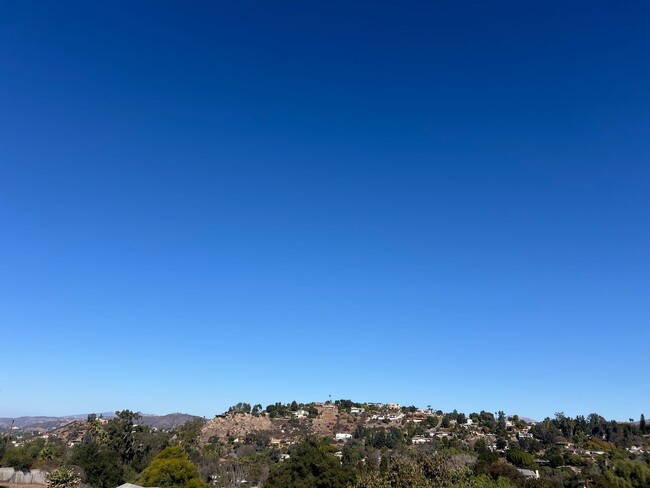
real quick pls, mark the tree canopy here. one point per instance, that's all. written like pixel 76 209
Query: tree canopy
pixel 312 465
pixel 172 469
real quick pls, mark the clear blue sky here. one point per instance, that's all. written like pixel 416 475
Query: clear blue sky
pixel 438 203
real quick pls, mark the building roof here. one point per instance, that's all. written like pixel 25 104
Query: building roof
pixel 528 473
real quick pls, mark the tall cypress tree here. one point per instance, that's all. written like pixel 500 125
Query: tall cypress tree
pixel 642 425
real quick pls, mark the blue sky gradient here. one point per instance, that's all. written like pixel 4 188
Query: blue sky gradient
pixel 429 203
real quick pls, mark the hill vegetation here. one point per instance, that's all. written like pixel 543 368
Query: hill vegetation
pixel 343 444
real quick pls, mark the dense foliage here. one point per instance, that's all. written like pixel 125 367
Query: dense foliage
pixel 312 465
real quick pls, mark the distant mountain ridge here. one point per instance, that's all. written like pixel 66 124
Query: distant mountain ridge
pixel 168 421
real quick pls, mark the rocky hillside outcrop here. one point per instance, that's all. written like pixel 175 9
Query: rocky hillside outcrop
pixel 237 426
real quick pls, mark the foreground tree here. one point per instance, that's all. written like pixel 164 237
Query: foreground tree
pixel 172 469
pixel 120 434
pixel 100 465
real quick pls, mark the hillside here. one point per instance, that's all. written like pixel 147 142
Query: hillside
pixel 351 439
pixel 329 422
pixel 169 421
pixel 46 424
